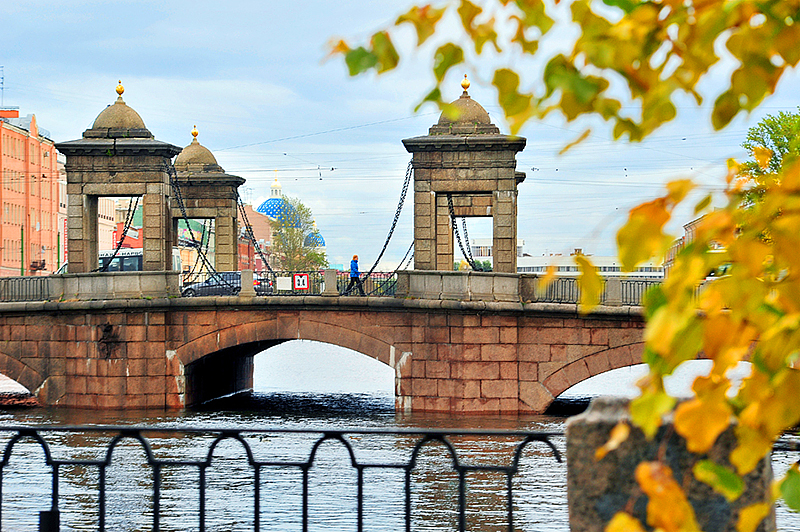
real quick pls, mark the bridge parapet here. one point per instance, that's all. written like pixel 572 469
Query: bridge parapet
pixel 460 286
pixel 525 288
pixel 91 286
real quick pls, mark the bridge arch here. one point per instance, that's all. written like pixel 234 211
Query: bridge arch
pixel 591 365
pixel 23 373
pixel 220 362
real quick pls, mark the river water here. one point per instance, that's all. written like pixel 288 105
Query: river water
pixel 298 385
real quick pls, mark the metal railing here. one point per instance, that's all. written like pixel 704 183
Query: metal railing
pixel 377 284
pixel 568 290
pixel 633 290
pixel 560 290
pixel 390 470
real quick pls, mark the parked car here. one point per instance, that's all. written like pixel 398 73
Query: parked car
pixel 226 284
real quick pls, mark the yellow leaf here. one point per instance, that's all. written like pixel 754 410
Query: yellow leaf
pixel 424 19
pixel 701 422
pixel 751 516
pixel 642 237
pixel 549 275
pixel 679 189
pixel 618 435
pixel 575 142
pixel 622 522
pixel 648 408
pixel 668 509
pixel 763 156
pixel 591 284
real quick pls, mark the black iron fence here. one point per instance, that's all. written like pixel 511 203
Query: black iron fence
pixel 377 284
pixel 284 283
pixel 390 481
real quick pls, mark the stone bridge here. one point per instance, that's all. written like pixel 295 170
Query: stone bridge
pixel 448 356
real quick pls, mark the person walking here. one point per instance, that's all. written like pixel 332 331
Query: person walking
pixel 354 278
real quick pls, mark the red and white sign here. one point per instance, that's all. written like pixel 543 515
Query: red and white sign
pixel 300 281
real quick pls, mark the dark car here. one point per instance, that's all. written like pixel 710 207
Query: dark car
pixel 226 284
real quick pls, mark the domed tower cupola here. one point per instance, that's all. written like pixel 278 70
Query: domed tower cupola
pixel 196 157
pixel 207 192
pixel 118 157
pixel 118 121
pixel 464 167
pixel 464 117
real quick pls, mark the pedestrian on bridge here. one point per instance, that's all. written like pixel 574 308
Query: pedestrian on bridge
pixel 355 280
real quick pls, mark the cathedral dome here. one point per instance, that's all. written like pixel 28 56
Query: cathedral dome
pixel 277 208
pixel 314 239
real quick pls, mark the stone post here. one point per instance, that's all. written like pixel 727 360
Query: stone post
pixel 247 284
pixel 613 292
pixel 329 278
pixel 597 490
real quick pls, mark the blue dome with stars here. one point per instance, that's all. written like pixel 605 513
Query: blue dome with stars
pixel 314 239
pixel 277 208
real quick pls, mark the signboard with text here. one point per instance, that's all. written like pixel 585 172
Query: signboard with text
pixel 300 281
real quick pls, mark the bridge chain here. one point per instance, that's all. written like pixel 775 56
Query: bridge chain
pixel 176 187
pixel 403 193
pixel 467 254
pixel 249 231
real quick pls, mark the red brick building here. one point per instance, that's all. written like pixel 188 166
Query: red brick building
pixel 30 243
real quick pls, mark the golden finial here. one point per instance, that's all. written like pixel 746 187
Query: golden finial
pixel 465 83
pixel 195 132
pixel 120 88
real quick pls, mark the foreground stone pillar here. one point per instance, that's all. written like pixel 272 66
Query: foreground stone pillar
pixel 596 490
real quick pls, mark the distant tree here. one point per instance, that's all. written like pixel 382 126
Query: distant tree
pixel 770 144
pixel 290 236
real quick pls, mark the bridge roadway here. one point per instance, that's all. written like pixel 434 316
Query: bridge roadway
pixel 448 356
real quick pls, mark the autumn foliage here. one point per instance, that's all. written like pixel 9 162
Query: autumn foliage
pixel 628 64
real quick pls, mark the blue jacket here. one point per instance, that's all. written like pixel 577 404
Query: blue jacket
pixel 353 268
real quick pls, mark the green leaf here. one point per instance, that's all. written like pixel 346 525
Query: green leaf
pixel 384 51
pixel 516 106
pixel 444 58
pixel 468 11
pixel 434 96
pixel 653 299
pixel 648 408
pixel 424 20
pixel 721 479
pixel 360 60
pixel 725 108
pixel 626 5
pixel 702 204
pixel 790 488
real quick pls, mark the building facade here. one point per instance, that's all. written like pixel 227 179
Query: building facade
pixel 31 237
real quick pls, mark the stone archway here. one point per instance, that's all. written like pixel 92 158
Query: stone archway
pixel 220 362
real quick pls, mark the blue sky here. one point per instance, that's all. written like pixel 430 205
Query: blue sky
pixel 253 77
